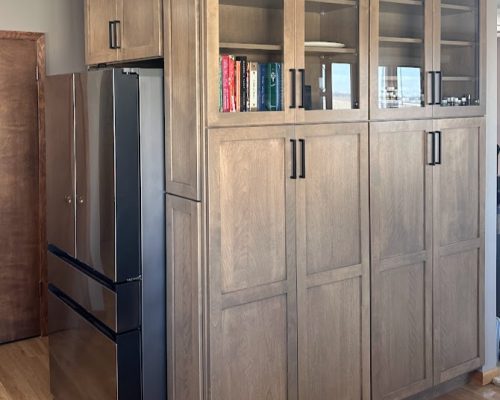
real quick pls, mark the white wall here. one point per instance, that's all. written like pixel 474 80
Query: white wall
pixel 60 20
pixel 491 142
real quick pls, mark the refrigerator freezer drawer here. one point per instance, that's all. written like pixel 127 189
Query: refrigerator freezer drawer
pixel 87 364
pixel 116 306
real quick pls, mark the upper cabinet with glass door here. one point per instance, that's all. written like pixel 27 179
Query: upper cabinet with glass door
pixel 427 58
pixel 459 58
pixel 332 60
pixel 401 59
pixel 249 57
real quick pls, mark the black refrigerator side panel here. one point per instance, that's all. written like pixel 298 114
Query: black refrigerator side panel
pixel 153 233
pixel 127 175
pixel 95 181
pixel 59 127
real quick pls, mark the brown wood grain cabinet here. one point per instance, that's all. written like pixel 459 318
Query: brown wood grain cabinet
pixel 311 254
pixel 122 30
pixel 427 253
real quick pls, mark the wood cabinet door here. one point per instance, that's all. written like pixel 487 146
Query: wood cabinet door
pixel 459 248
pixel 98 15
pixel 401 259
pixel 333 262
pixel 251 273
pixel 140 29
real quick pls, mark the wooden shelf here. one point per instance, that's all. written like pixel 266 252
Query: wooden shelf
pixel 452 9
pixel 417 3
pixel 329 50
pixel 349 3
pixel 252 47
pixel 459 43
pixel 458 79
pixel 269 4
pixel 400 40
pixel 318 6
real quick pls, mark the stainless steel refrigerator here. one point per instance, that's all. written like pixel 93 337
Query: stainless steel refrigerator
pixel 106 234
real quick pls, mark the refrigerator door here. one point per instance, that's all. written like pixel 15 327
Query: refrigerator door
pixel 107 177
pixel 59 114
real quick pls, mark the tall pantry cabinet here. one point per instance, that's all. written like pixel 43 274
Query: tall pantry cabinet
pixel 327 244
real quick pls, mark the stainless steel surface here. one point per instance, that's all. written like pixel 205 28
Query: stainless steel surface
pixel 95 179
pixel 82 359
pixel 119 311
pixel 60 162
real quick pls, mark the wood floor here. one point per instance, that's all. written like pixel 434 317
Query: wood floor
pixel 24 375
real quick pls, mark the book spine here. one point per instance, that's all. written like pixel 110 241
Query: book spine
pixel 254 67
pixel 244 84
pixel 237 75
pixel 271 87
pixel 225 84
pixel 232 105
pixel 279 85
pixel 221 100
pixel 262 86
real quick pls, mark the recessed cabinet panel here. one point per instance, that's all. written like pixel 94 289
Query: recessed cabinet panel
pixel 252 296
pixel 458 248
pixel 333 261
pixel 401 263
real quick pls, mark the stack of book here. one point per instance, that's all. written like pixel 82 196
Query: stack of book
pixel 249 86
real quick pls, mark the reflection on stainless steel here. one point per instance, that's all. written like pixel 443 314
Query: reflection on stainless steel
pixel 82 359
pixel 95 172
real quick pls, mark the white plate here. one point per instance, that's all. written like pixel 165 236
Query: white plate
pixel 324 44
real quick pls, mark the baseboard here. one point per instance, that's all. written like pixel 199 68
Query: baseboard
pixel 485 377
pixel 443 388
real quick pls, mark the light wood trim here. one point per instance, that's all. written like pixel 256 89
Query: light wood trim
pixel 183 98
pixel 484 378
pixel 184 300
pixel 401 113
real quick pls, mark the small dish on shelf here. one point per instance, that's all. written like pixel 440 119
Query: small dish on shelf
pixel 324 44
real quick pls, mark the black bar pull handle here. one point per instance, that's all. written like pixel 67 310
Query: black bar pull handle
pixel 303 159
pixel 303 85
pixel 431 138
pixel 111 34
pixel 294 159
pixel 437 146
pixel 431 94
pixel 118 34
pixel 294 89
pixel 438 83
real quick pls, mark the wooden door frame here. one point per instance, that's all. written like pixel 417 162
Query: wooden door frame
pixel 39 38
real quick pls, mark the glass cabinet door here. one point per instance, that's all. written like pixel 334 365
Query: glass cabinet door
pixel 332 60
pixel 458 62
pixel 401 42
pixel 250 50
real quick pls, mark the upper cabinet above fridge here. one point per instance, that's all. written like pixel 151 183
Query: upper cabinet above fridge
pixel 122 30
pixel 427 59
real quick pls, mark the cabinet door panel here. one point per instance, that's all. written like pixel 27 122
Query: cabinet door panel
pixel 140 29
pixel 401 212
pixel 459 249
pixel 332 261
pixel 252 276
pixel 60 148
pixel 98 14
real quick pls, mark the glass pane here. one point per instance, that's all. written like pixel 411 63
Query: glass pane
pixel 331 55
pixel 401 54
pixel 460 52
pixel 251 39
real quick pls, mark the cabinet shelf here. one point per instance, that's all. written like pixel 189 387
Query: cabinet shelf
pixel 269 4
pixel 330 50
pixel 251 47
pixel 416 3
pixel 451 9
pixel 458 78
pixel 459 43
pixel 399 40
pixel 328 5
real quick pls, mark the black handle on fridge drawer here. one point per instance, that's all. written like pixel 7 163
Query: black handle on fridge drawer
pixel 294 159
pixel 303 158
pixel 437 147
pixel 294 89
pixel 431 138
pixel 438 83
pixel 303 85
pixel 111 34
pixel 431 94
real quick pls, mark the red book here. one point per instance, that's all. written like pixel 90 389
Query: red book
pixel 225 84
pixel 232 105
